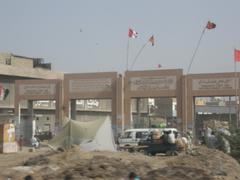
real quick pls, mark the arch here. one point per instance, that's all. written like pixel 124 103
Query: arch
pixel 31 90
pixel 90 86
pixel 210 84
pixel 154 83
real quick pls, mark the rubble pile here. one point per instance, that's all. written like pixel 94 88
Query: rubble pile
pixel 201 163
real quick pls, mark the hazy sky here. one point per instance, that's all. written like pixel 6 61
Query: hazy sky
pixel 91 36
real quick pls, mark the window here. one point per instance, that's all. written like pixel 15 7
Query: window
pixel 142 135
pixel 128 135
pixel 139 135
pixel 48 119
pixel 8 61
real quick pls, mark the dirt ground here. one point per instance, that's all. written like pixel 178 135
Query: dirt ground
pixel 201 164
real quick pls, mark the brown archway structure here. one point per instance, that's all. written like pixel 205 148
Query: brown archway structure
pixel 207 85
pixel 31 90
pixel 155 83
pixel 91 86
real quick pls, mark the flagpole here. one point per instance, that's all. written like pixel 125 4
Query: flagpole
pixel 236 92
pixel 138 54
pixel 185 83
pixel 196 49
pixel 237 97
pixel 127 54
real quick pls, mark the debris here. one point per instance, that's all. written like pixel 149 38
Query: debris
pixel 203 163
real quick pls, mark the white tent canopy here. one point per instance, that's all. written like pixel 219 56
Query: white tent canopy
pixel 90 135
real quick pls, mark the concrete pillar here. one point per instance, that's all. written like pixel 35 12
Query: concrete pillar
pixel 28 123
pixel 184 105
pixel 127 108
pixel 59 105
pixel 73 109
pixel 138 122
pixel 188 106
pixel 179 98
pixel 120 104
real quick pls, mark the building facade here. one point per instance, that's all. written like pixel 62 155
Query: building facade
pixel 126 99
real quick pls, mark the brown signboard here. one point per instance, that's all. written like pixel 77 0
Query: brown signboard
pixel 37 89
pixel 153 83
pixel 214 84
pixel 90 85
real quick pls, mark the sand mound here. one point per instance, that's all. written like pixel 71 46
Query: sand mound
pixel 202 164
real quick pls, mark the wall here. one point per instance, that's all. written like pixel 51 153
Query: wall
pixel 9 59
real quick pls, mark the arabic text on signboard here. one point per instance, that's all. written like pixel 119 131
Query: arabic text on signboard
pixel 214 84
pixel 153 83
pixel 37 89
pixel 90 85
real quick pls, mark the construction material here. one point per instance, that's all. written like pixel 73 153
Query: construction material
pixel 7 138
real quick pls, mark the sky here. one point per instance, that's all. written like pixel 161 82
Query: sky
pixel 79 36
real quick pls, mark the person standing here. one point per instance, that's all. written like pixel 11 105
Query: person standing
pixel 35 142
pixel 20 142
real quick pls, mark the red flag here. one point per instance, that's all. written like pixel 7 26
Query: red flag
pixel 237 55
pixel 132 33
pixel 151 40
pixel 210 25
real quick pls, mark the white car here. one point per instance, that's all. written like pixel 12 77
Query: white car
pixel 131 137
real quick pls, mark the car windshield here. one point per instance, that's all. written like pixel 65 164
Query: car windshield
pixel 139 135
pixel 142 135
pixel 127 135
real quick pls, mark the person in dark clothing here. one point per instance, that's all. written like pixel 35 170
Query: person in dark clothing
pixel 20 142
pixel 133 176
